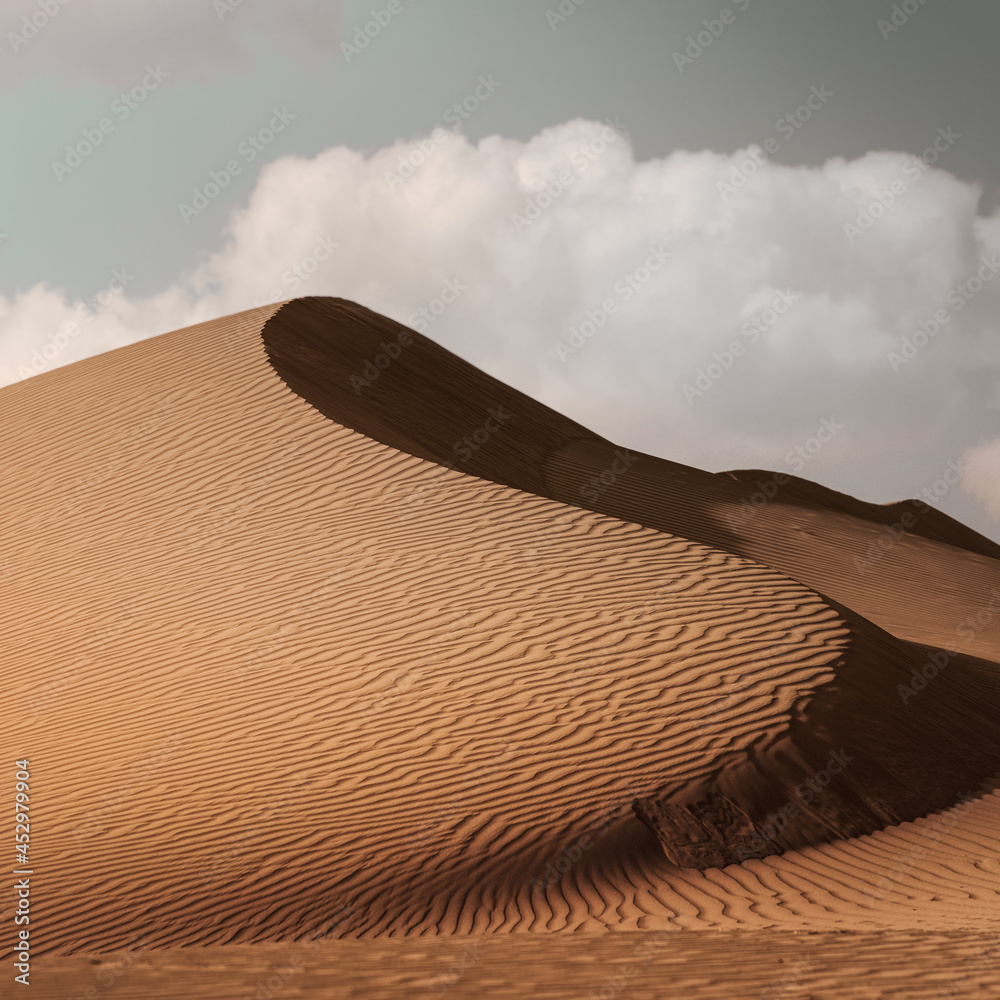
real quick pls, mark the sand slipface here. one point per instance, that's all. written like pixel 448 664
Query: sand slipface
pixel 318 631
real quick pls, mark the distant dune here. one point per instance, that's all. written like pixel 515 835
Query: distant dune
pixel 315 629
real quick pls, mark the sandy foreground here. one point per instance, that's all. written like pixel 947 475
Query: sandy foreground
pixel 641 965
pixel 389 677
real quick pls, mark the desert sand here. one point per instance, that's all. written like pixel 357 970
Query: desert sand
pixel 326 645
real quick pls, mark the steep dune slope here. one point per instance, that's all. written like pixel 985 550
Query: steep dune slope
pixel 427 401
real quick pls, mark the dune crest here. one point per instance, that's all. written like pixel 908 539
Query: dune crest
pixel 403 389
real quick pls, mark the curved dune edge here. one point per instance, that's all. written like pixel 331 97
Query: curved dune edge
pixel 856 759
pixel 332 375
pixel 909 756
pixel 215 720
pixel 426 401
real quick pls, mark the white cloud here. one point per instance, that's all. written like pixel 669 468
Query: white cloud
pixel 537 234
pixel 107 42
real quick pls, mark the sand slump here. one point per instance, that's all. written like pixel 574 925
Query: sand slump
pixel 896 761
pixel 276 678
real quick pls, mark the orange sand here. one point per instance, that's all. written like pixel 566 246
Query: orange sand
pixel 280 674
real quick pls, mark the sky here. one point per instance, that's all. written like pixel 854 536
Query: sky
pixel 762 235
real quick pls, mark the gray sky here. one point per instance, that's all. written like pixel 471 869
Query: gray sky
pixel 735 232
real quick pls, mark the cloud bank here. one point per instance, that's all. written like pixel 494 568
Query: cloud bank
pixel 713 309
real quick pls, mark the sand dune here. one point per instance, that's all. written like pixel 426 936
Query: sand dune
pixel 281 674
